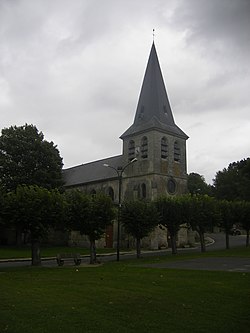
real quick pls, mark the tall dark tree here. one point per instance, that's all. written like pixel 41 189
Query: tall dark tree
pixel 33 210
pixel 139 218
pixel 27 159
pixel 233 182
pixel 197 185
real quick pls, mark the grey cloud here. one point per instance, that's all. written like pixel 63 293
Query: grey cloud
pixel 221 26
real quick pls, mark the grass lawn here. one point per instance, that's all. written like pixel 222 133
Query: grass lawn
pixel 25 251
pixel 124 297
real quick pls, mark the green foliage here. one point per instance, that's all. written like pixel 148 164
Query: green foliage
pixel 1 205
pixel 33 209
pixel 202 215
pixel 228 214
pixel 242 212
pixel 202 212
pixel 77 210
pixel 89 214
pixel 197 185
pixel 198 211
pixel 139 218
pixel 171 213
pixel 100 215
pixel 27 159
pixel 233 183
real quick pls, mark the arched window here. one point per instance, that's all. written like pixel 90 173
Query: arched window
pixel 171 186
pixel 143 191
pixel 111 193
pixel 177 152
pixel 164 148
pixel 144 147
pixel 131 150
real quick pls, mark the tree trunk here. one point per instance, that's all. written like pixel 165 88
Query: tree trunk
pixel 92 252
pixel 227 240
pixel 138 248
pixel 173 243
pixel 247 239
pixel 202 241
pixel 19 237
pixel 35 253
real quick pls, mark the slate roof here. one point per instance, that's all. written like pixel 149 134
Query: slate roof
pixel 92 172
pixel 153 109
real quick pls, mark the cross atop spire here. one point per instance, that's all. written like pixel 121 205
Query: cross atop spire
pixel 153 109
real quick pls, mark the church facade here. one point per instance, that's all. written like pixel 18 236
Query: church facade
pixel 153 160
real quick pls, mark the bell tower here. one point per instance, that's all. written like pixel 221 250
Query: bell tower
pixel 155 140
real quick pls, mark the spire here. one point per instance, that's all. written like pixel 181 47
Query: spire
pixel 153 109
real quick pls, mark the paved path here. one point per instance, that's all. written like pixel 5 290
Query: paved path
pixel 212 264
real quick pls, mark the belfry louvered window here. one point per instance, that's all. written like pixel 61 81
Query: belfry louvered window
pixel 131 150
pixel 177 151
pixel 164 148
pixel 144 147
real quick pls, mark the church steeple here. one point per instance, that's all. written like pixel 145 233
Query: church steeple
pixel 153 109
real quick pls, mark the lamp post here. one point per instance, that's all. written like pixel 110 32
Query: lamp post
pixel 119 170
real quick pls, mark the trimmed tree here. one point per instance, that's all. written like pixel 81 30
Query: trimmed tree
pixel 139 218
pixel 90 215
pixel 243 217
pixel 202 215
pixel 171 217
pixel 33 210
pixel 228 217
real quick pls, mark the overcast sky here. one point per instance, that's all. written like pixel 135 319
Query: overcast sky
pixel 74 68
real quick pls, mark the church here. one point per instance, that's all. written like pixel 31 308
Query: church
pixel 153 160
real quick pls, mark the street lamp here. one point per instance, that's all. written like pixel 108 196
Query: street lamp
pixel 119 170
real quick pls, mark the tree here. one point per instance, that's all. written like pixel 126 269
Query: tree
pixel 201 214
pixel 139 218
pixel 197 185
pixel 233 182
pixel 33 210
pixel 228 217
pixel 243 216
pixel 90 215
pixel 27 159
pixel 1 209
pixel 171 214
